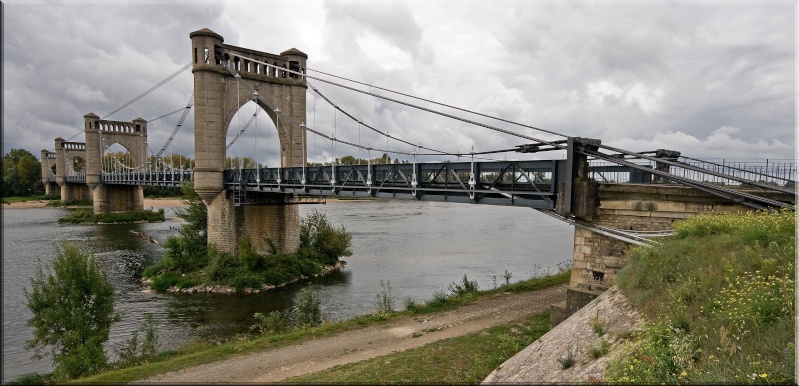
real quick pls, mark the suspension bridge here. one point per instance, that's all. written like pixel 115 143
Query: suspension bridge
pixel 611 195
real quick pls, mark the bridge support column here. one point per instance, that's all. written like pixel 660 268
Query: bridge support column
pixel 51 189
pixel 117 198
pixel 75 192
pixel 269 216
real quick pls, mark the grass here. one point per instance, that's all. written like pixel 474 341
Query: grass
pixel 38 197
pixel 720 300
pixel 59 203
pixel 87 216
pixel 205 352
pixel 465 359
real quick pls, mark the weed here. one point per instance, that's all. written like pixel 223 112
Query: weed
pixel 507 276
pixel 567 360
pixel 466 289
pixel 597 325
pixel 384 301
pixel 599 350
pixel 410 306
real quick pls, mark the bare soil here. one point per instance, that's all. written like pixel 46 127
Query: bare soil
pixel 369 342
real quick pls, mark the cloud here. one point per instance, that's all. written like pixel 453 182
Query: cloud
pixel 722 143
pixel 667 75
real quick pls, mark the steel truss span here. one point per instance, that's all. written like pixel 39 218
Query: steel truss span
pixel 510 183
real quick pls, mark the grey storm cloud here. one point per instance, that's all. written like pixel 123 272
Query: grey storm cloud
pixel 710 80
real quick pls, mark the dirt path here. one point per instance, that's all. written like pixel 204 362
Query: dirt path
pixel 369 342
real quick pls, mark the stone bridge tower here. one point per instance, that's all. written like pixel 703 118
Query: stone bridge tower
pixel 70 183
pixel 218 95
pixel 48 175
pixel 100 135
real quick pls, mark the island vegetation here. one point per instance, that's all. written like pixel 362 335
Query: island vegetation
pixel 189 262
pixel 87 216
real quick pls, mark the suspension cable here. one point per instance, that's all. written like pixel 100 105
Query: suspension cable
pixel 244 128
pixel 165 115
pixel 490 127
pixel 179 125
pixel 161 83
pixel 439 103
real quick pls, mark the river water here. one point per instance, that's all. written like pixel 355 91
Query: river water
pixel 417 247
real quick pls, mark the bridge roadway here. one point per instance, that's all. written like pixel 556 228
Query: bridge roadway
pixel 509 183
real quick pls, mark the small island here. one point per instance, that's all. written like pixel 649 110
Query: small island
pixel 190 265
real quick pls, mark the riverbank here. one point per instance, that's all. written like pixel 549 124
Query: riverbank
pixel 148 203
pixel 273 358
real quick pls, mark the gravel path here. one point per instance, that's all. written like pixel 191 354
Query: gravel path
pixel 370 342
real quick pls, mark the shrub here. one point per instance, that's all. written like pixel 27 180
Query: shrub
pixel 72 307
pixel 410 306
pixel 466 289
pixel 439 299
pixel 275 322
pixel 242 282
pixel 165 280
pixel 306 310
pixel 249 258
pixel 322 241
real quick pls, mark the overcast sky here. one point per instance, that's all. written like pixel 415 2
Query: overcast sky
pixel 711 81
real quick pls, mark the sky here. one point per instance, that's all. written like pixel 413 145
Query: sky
pixel 711 80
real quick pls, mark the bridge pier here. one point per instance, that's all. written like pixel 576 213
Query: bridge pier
pixel 74 192
pixel 51 188
pixel 269 215
pixel 117 198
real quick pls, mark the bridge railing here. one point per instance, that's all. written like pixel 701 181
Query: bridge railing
pixel 777 173
pixel 772 172
pixel 169 178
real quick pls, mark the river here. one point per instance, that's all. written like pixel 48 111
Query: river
pixel 416 247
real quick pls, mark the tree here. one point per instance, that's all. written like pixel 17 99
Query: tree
pixel 22 173
pixel 73 310
pixel 188 251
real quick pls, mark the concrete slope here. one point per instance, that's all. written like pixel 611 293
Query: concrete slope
pixel 539 362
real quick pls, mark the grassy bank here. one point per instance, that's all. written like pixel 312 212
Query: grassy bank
pixel 39 197
pixel 206 352
pixel 720 300
pixel 466 359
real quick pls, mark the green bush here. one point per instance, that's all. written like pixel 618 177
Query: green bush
pixel 467 288
pixel 72 307
pixel 242 282
pixel 275 322
pixel 321 241
pixel 307 312
pixel 221 265
pixel 165 280
pixel 250 259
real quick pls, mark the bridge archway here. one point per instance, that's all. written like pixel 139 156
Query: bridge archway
pixel 218 96
pixel 252 136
